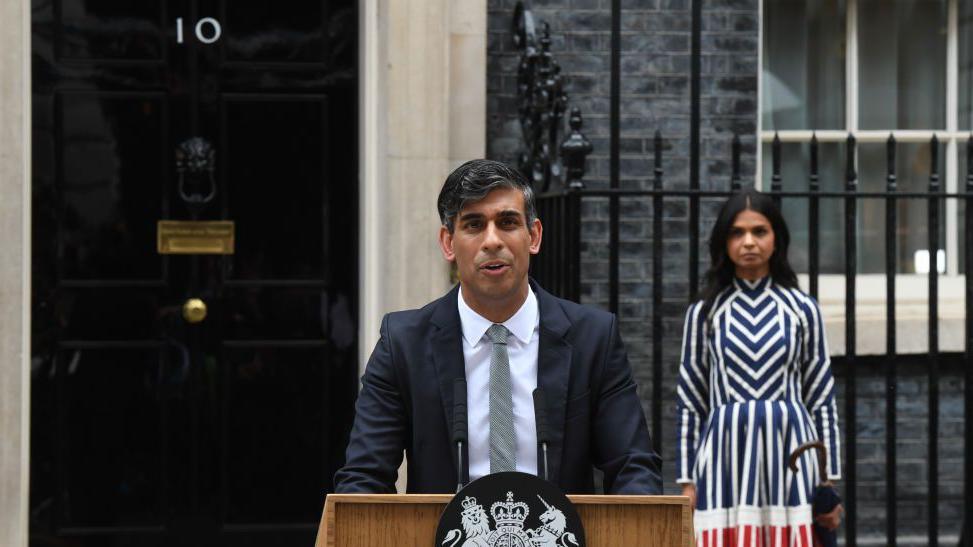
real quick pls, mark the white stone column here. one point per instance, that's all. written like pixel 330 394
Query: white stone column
pixel 467 80
pixel 14 270
pixel 423 111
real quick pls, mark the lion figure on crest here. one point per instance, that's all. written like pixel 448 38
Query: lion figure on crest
pixel 476 526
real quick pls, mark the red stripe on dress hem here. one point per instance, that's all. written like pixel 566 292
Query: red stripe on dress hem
pixel 746 535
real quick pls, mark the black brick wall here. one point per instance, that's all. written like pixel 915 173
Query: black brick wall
pixel 655 95
pixel 912 445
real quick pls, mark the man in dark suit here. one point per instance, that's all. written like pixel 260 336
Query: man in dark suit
pixel 504 335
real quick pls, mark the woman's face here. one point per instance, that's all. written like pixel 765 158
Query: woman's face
pixel 750 244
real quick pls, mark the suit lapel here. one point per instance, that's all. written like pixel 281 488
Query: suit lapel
pixel 553 368
pixel 553 371
pixel 446 353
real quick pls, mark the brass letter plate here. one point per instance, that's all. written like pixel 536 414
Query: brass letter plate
pixel 191 237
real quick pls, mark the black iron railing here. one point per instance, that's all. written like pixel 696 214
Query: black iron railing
pixel 564 198
pixel 561 270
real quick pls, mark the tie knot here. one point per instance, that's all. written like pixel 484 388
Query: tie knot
pixel 498 334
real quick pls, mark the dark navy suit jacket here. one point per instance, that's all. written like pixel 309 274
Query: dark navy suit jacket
pixel 407 397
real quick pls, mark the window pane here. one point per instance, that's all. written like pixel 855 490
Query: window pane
pixel 803 77
pixel 966 65
pixel 912 234
pixel 795 171
pixel 912 170
pixel 902 64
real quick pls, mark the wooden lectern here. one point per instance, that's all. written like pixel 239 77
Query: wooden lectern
pixel 410 520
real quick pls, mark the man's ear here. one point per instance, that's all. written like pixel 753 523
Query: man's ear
pixel 446 244
pixel 536 231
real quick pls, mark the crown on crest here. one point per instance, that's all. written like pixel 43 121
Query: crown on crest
pixel 470 505
pixel 509 513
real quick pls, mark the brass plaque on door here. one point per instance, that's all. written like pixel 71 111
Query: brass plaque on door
pixel 195 237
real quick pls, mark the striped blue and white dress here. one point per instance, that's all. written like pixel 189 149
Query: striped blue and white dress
pixel 755 382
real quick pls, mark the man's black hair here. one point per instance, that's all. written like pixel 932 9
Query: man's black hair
pixel 473 180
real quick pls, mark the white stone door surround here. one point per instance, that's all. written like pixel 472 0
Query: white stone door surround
pixel 423 111
pixel 422 64
pixel 15 154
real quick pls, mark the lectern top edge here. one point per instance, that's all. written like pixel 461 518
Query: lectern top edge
pixel 390 498
pixel 445 498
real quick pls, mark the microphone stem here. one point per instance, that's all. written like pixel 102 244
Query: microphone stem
pixel 459 466
pixel 544 450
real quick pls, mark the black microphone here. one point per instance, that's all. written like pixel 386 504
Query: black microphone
pixel 543 433
pixel 459 427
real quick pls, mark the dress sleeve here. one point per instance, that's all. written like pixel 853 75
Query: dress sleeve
pixel 819 396
pixel 692 392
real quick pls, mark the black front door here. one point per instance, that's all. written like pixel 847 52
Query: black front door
pixel 152 425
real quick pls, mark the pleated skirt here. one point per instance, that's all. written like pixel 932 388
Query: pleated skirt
pixel 747 495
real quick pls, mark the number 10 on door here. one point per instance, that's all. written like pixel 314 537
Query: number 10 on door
pixel 207 30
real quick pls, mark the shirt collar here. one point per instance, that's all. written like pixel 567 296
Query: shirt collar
pixel 754 286
pixel 520 324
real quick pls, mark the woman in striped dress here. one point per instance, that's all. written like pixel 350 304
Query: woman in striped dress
pixel 754 383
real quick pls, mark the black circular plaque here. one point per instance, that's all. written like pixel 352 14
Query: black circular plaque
pixel 510 510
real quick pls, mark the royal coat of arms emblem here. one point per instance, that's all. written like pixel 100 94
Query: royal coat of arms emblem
pixel 509 526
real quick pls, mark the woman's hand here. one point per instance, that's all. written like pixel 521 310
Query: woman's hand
pixel 831 520
pixel 690 490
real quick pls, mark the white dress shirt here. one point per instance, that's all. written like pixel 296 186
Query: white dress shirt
pixel 522 350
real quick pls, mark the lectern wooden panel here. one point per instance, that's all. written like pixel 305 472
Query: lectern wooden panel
pixel 410 520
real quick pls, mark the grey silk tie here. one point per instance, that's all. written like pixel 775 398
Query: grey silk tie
pixel 503 445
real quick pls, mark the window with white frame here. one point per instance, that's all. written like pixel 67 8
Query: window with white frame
pixel 870 68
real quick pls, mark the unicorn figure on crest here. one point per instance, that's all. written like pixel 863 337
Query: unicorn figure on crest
pixel 551 532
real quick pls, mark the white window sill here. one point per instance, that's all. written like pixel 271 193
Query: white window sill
pixel 911 309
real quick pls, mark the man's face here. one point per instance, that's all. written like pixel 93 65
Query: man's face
pixel 491 244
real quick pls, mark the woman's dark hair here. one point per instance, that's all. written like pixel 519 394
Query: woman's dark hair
pixel 722 269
